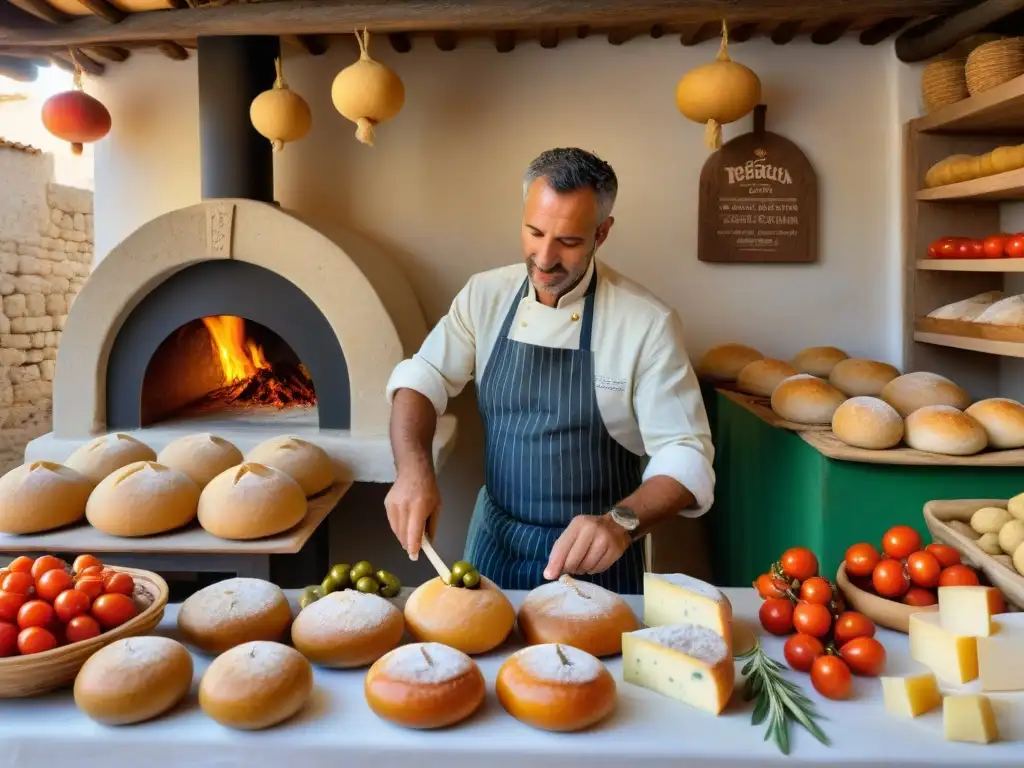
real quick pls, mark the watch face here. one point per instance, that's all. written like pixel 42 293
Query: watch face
pixel 626 518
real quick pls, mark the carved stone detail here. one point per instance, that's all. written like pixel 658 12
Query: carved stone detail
pixel 220 230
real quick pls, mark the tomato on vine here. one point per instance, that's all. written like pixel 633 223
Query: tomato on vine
pixel 767 586
pixel 799 563
pixel 864 656
pixel 801 650
pixel 812 619
pixel 816 590
pixel 851 625
pixel 776 615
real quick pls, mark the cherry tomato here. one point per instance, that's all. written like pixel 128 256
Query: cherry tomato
pixel 35 640
pixel 924 569
pixel 10 602
pixel 861 559
pixel 46 563
pixel 831 677
pixel 944 553
pixel 920 597
pixel 91 570
pixel 958 576
pixel 970 248
pixel 82 628
pixel 20 565
pixel 71 603
pixel 799 563
pixel 812 619
pixel 8 639
pixel 776 615
pixel 947 247
pixel 121 583
pixel 36 613
pixel 801 650
pixel 1014 248
pixel 851 625
pixel 995 246
pixel 52 583
pixel 888 578
pixel 766 587
pixel 113 610
pixel 91 586
pixel 816 590
pixel 85 561
pixel 864 656
pixel 3 574
pixel 19 582
pixel 900 540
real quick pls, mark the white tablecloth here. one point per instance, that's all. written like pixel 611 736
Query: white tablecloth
pixel 646 730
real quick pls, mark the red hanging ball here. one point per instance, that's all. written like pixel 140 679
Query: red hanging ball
pixel 77 117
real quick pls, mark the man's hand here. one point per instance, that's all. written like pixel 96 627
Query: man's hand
pixel 413 498
pixel 591 544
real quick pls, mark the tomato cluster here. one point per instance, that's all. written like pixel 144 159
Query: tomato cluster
pixel 825 639
pixel 1001 246
pixel 45 603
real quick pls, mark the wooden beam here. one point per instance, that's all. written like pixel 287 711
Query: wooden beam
pixel 315 45
pixel 621 35
pixel 695 34
pixel 87 63
pixel 548 37
pixel 932 37
pixel 172 50
pixel 400 42
pixel 583 31
pixel 62 62
pixel 109 52
pixel 22 70
pixel 830 32
pixel 42 10
pixel 657 31
pixel 446 40
pixel 785 32
pixel 875 34
pixel 105 10
pixel 742 32
pixel 505 41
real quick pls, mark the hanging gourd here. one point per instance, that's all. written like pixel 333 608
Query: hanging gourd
pixel 717 93
pixel 367 92
pixel 75 116
pixel 280 114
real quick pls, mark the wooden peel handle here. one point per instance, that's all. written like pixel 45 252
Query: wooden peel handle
pixel 434 558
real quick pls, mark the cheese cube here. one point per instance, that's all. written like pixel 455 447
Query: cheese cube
pixel 675 598
pixel 953 658
pixel 686 662
pixel 969 717
pixel 1001 655
pixel 969 610
pixel 910 696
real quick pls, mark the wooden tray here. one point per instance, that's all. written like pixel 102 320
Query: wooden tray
pixel 881 610
pixel 762 408
pixel 936 516
pixel 831 446
pixel 970 329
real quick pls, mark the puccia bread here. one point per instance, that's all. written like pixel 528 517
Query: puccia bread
pixel 868 422
pixel 251 501
pixel 470 620
pixel 40 496
pixel 806 399
pixel 724 362
pixel 347 629
pixel 1003 421
pixel 202 457
pixel 98 458
pixel 308 464
pixel 143 499
pixel 818 361
pixel 232 612
pixel 944 429
pixel 911 391
pixel 855 377
pixel 761 377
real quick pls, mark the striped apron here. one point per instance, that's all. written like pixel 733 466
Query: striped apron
pixel 548 458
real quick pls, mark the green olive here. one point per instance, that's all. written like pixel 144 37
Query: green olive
pixel 309 595
pixel 459 567
pixel 390 588
pixel 454 580
pixel 471 579
pixel 329 584
pixel 367 584
pixel 387 577
pixel 359 570
pixel 340 574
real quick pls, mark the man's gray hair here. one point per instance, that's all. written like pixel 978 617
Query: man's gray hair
pixel 567 169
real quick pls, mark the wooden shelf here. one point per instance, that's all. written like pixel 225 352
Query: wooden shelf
pixel 971 265
pixel 997 110
pixel 1000 186
pixel 1005 341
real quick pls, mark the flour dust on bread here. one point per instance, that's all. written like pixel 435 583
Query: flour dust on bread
pixel 232 612
pixel 868 422
pixel 347 629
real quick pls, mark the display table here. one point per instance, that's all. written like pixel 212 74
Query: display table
pixel 337 729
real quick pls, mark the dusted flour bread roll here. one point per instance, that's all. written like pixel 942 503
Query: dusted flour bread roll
pixel 308 464
pixel 232 612
pixel 107 453
pixel 555 687
pixel 251 501
pixel 855 377
pixel 424 685
pixel 470 620
pixel 761 377
pixel 868 422
pixel 944 429
pixel 967 309
pixel 256 685
pixel 202 457
pixel 143 499
pixel 133 680
pixel 724 362
pixel 911 391
pixel 1003 421
pixel 818 361
pixel 576 613
pixel 347 629
pixel 40 496
pixel 806 399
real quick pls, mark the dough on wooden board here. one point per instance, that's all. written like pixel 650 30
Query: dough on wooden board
pixel 761 377
pixel 108 453
pixel 856 377
pixel 470 620
pixel 251 501
pixel 868 422
pixel 724 362
pixel 1008 311
pixel 967 309
pixel 818 361
pixel 232 612
pixel 347 629
pixel 944 429
pixel 143 499
pixel 806 399
pixel 1003 421
pixel 41 496
pixel 911 391
pixel 202 457
pixel 307 463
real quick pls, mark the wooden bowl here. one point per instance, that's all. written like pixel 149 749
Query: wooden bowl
pixel 31 675
pixel 881 610
pixel 1002 575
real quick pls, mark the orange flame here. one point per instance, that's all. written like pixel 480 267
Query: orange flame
pixel 240 357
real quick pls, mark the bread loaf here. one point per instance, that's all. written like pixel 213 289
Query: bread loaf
pixel 944 429
pixel 761 377
pixel 1003 421
pixel 143 499
pixel 868 422
pixel 108 453
pixel 967 309
pixel 251 501
pixel 724 362
pixel 470 620
pixel 347 629
pixel 232 612
pixel 202 457
pixel 818 361
pixel 911 391
pixel 308 464
pixel 1008 311
pixel 40 496
pixel 855 377
pixel 806 399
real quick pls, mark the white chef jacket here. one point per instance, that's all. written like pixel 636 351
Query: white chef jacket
pixel 647 391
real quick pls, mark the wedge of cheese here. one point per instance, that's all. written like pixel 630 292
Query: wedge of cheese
pixel 675 598
pixel 1001 655
pixel 953 658
pixel 969 717
pixel 686 662
pixel 911 696
pixel 969 610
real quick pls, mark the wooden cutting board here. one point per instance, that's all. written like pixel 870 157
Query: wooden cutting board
pixel 834 448
pixel 762 408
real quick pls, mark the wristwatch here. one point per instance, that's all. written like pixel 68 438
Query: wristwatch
pixel 626 519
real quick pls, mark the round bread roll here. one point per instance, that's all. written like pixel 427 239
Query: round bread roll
pixel 806 399
pixel 868 422
pixel 911 391
pixel 108 453
pixel 1003 421
pixel 308 464
pixel 470 620
pixel 724 362
pixel 761 377
pixel 232 612
pixel 256 685
pixel 855 377
pixel 40 496
pixel 576 613
pixel 251 501
pixel 944 429
pixel 347 629
pixel 424 685
pixel 818 361
pixel 555 687
pixel 202 457
pixel 142 499
pixel 133 680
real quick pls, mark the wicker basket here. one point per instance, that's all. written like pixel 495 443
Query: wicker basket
pixel 994 63
pixel 943 82
pixel 22 676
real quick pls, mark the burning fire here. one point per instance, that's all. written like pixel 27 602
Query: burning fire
pixel 239 356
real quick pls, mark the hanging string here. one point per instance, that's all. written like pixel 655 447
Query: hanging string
pixel 712 128
pixel 78 69
pixel 364 44
pixel 723 48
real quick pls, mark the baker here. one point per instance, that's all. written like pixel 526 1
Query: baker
pixel 581 377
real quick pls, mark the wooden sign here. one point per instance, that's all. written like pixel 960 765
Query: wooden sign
pixel 758 201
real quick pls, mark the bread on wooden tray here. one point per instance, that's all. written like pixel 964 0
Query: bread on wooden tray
pixel 251 501
pixel 470 620
pixel 724 362
pixel 944 429
pixel 911 391
pixel 143 499
pixel 1003 421
pixel 967 309
pixel 41 496
pixel 108 453
pixel 806 399
pixel 347 629
pixel 818 361
pixel 761 377
pixel 868 422
pixel 232 612
pixel 855 377
pixel 308 464
pixel 202 457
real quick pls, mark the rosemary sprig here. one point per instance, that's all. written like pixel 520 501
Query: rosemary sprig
pixel 777 699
